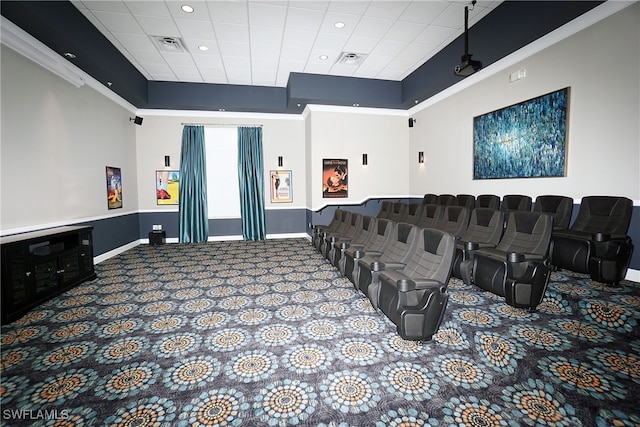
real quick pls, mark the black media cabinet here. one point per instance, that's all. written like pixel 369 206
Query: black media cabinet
pixel 39 265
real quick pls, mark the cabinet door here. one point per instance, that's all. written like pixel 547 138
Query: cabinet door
pixel 16 279
pixel 86 253
pixel 69 267
pixel 46 276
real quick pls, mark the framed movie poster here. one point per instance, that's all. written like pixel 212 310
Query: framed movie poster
pixel 167 187
pixel 523 140
pixel 114 188
pixel 334 178
pixel 281 186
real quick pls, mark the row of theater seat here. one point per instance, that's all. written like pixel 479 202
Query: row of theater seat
pixel 403 258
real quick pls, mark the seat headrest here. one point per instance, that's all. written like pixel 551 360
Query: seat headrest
pixel 403 231
pixel 484 215
pixel 432 239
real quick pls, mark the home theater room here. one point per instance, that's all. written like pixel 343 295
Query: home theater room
pixel 330 213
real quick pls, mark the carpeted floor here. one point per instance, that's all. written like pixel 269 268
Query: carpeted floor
pixel 268 333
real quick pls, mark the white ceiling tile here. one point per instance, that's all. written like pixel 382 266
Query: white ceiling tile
pixel 164 77
pixel 360 45
pixel 423 11
pixel 136 42
pixel 239 76
pixel 388 48
pixel 266 51
pixel 415 51
pixel 347 6
pixel 267 15
pixel 386 9
pixel 159 26
pixel 236 62
pixel 148 8
pixel 234 49
pixel 404 31
pixel 343 70
pixel 184 69
pixel 178 60
pixel 266 35
pixel 372 27
pixel 119 22
pixel 266 64
pixel 232 32
pixel 433 35
pixel 317 68
pixel 229 12
pixel 312 4
pixel 148 57
pixel 330 41
pixel 208 61
pixel 294 53
pixel 195 29
pixel 298 38
pixel 304 19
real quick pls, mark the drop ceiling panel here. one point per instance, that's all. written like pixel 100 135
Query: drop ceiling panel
pixel 292 35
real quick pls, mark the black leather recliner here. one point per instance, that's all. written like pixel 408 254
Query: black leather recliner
pixel 491 201
pixel 394 255
pixel 446 199
pixel 415 297
pixel 518 268
pixel 359 239
pixel 376 244
pixel 597 242
pixel 454 220
pixel 484 231
pixel 385 209
pixel 414 211
pixel 320 229
pixel 343 223
pixel 430 215
pixel 430 199
pixel 398 212
pixel 353 225
pixel 559 207
pixel 466 200
pixel 515 202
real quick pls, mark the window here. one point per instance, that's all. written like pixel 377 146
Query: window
pixel 222 172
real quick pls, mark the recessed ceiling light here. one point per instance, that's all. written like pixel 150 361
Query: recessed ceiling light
pixel 356 105
pixel 339 25
pixel 186 8
pixel 203 48
pixel 324 57
pixel 70 55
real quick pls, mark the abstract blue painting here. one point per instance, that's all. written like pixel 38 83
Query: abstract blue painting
pixel 523 140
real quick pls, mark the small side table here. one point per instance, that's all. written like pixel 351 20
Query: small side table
pixel 157 237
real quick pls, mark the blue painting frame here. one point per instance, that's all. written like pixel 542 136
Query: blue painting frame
pixel 524 140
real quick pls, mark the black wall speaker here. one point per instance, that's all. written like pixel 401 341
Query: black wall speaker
pixel 410 122
pixel 137 120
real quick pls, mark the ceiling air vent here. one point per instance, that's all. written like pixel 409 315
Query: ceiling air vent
pixel 169 44
pixel 350 58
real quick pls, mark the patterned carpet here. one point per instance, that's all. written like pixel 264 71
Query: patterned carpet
pixel 268 333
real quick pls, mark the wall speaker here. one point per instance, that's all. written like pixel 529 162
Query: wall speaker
pixel 137 120
pixel 411 122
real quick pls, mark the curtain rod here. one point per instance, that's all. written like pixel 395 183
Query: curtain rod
pixel 222 124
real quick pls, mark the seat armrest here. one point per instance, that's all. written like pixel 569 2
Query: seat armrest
pixel 485 245
pixel 514 257
pixel 604 237
pixel 406 285
pixel 361 253
pixel 471 246
pixel 381 266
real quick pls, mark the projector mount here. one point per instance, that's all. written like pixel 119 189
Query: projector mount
pixel 467 65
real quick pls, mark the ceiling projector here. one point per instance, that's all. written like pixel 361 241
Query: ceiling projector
pixel 467 67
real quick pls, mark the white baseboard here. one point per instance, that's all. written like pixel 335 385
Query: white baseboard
pixel 105 256
pixel 633 275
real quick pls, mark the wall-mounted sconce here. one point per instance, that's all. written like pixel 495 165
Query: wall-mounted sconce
pixel 279 161
pixel 420 156
pixel 167 161
pixel 412 121
pixel 365 159
pixel 137 120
